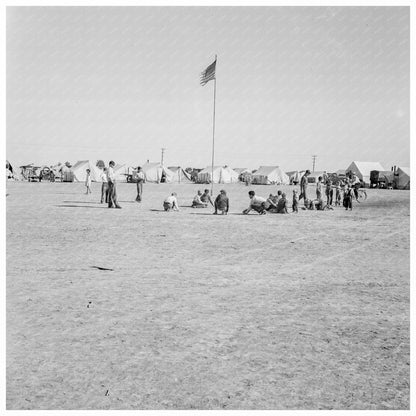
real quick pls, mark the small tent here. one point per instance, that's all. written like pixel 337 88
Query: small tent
pixel 9 171
pixel 121 173
pixel 79 171
pixel 402 178
pixel 243 173
pixel 363 169
pixel 156 172
pixel 220 174
pixel 295 176
pixel 313 176
pixel 269 175
pixel 180 175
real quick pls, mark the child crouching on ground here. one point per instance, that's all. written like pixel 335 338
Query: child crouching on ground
pixel 171 203
pixel 222 203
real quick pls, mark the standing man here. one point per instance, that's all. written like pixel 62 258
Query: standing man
pixel 304 185
pixel 112 192
pixel 355 182
pixel 141 179
pixel 104 186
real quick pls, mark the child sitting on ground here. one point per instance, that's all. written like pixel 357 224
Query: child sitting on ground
pixel 271 203
pixel 197 203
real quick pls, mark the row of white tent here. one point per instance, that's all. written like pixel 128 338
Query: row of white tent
pixel 156 172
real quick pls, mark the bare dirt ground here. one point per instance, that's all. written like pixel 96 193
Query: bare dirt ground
pixel 299 311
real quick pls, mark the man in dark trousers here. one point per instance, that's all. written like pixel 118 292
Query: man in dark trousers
pixel 112 192
pixel 141 178
pixel 304 185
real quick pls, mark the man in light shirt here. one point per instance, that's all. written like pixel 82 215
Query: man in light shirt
pixel 171 203
pixel 141 179
pixel 257 203
pixel 112 192
pixel 104 186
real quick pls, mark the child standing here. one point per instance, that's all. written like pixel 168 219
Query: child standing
pixel 338 194
pixel 319 186
pixel 88 182
pixel 348 195
pixel 295 201
pixel 329 192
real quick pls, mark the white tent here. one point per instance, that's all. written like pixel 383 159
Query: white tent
pixel 268 175
pixel 222 174
pixel 363 169
pixel 313 176
pixel 154 172
pixel 295 176
pixel 79 170
pixel 179 175
pixel 402 178
pixel 120 172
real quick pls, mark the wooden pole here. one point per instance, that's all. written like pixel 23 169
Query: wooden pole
pixel 213 130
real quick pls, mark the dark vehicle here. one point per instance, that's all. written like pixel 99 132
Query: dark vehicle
pixel 46 174
pixel 30 173
pixel 381 179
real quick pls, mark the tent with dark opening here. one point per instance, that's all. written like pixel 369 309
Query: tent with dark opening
pixel 270 175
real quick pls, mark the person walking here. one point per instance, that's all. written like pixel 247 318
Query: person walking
pixel 141 179
pixel 112 191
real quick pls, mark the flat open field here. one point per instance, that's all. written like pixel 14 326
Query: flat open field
pixel 299 311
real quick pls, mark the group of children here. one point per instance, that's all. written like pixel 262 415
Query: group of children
pixel 341 192
pixel 345 192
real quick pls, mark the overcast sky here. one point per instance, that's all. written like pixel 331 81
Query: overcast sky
pixel 121 82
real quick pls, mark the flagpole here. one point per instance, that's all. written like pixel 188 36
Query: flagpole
pixel 213 130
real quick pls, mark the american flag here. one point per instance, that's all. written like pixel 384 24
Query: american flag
pixel 209 73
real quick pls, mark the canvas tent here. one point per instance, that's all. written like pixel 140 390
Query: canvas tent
pixel 243 173
pixel 402 178
pixel 313 177
pixel 220 174
pixel 295 176
pixel 10 174
pixel 120 172
pixel 363 169
pixel 66 173
pixel 179 175
pixel 79 171
pixel 268 175
pixel 155 172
